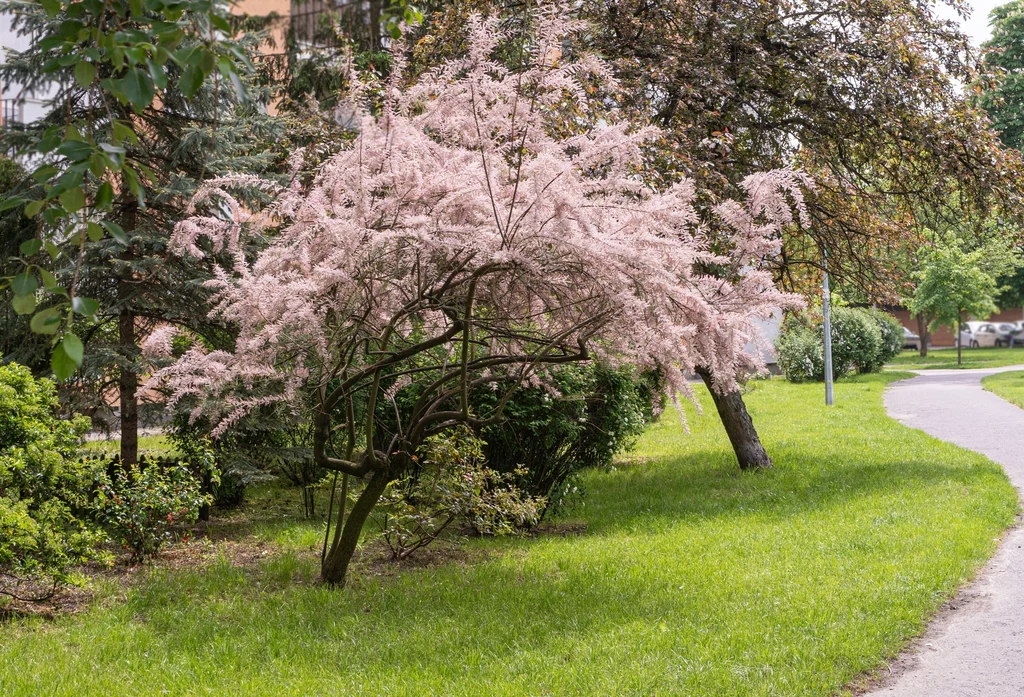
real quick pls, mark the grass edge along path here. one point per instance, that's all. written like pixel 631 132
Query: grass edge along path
pixel 691 579
pixel 942 359
pixel 1008 386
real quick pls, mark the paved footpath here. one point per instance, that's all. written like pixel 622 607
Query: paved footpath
pixel 978 649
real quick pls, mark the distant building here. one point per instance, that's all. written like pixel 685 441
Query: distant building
pixel 18 106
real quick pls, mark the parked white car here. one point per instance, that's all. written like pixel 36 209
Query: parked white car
pixel 980 335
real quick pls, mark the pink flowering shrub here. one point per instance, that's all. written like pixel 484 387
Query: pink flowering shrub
pixel 486 224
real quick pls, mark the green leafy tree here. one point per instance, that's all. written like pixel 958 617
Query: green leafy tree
pixel 117 65
pixel 952 283
pixel 1003 98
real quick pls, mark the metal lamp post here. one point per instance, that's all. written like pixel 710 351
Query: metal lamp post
pixel 829 397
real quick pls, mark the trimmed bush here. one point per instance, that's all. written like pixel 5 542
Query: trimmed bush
pixel 891 333
pixel 863 341
pixel 800 349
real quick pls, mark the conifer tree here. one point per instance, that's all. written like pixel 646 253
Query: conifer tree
pixel 162 129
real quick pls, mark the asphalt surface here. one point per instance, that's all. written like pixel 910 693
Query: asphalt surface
pixel 977 648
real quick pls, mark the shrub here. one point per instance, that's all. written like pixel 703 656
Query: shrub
pixel 891 334
pixel 451 484
pixel 856 341
pixel 44 489
pixel 800 349
pixel 860 342
pixel 265 443
pixel 139 503
pixel 580 418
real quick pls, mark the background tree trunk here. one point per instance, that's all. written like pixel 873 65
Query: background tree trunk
pixel 959 347
pixel 128 379
pixel 738 425
pixel 335 567
pixel 923 334
pixel 128 388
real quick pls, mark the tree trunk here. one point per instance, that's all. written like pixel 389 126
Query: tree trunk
pixel 128 387
pixel 128 379
pixel 335 567
pixel 923 335
pixel 959 347
pixel 738 425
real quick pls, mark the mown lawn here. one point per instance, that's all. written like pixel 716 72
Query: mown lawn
pixel 155 446
pixel 946 358
pixel 1008 385
pixel 691 578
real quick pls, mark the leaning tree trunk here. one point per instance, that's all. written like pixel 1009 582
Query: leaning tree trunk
pixel 923 335
pixel 347 533
pixel 738 425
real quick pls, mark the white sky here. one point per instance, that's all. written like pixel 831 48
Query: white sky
pixel 975 26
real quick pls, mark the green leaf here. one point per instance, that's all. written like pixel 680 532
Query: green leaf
pixel 52 249
pixel 46 322
pixel 207 60
pixel 73 200
pixel 73 347
pixel 24 284
pixel 95 232
pixel 49 280
pixel 44 173
pixel 221 23
pixel 33 207
pixel 116 231
pixel 157 74
pixel 123 132
pixel 75 150
pixel 11 202
pixel 190 82
pixel 63 365
pixel 51 139
pixel 104 196
pixel 71 132
pixel 24 304
pixel 85 73
pixel 132 177
pixel 136 88
pixel 87 307
pixel 30 247
pixel 227 69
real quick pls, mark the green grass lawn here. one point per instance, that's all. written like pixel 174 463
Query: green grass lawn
pixel 150 445
pixel 691 578
pixel 1008 385
pixel 946 358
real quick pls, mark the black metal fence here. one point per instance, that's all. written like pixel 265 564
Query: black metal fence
pixel 12 113
pixel 333 23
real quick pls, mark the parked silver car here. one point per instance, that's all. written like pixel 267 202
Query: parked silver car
pixel 1011 333
pixel 911 340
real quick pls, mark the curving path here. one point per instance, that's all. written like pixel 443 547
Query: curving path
pixel 979 648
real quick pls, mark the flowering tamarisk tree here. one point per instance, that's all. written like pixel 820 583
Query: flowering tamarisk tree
pixel 478 231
